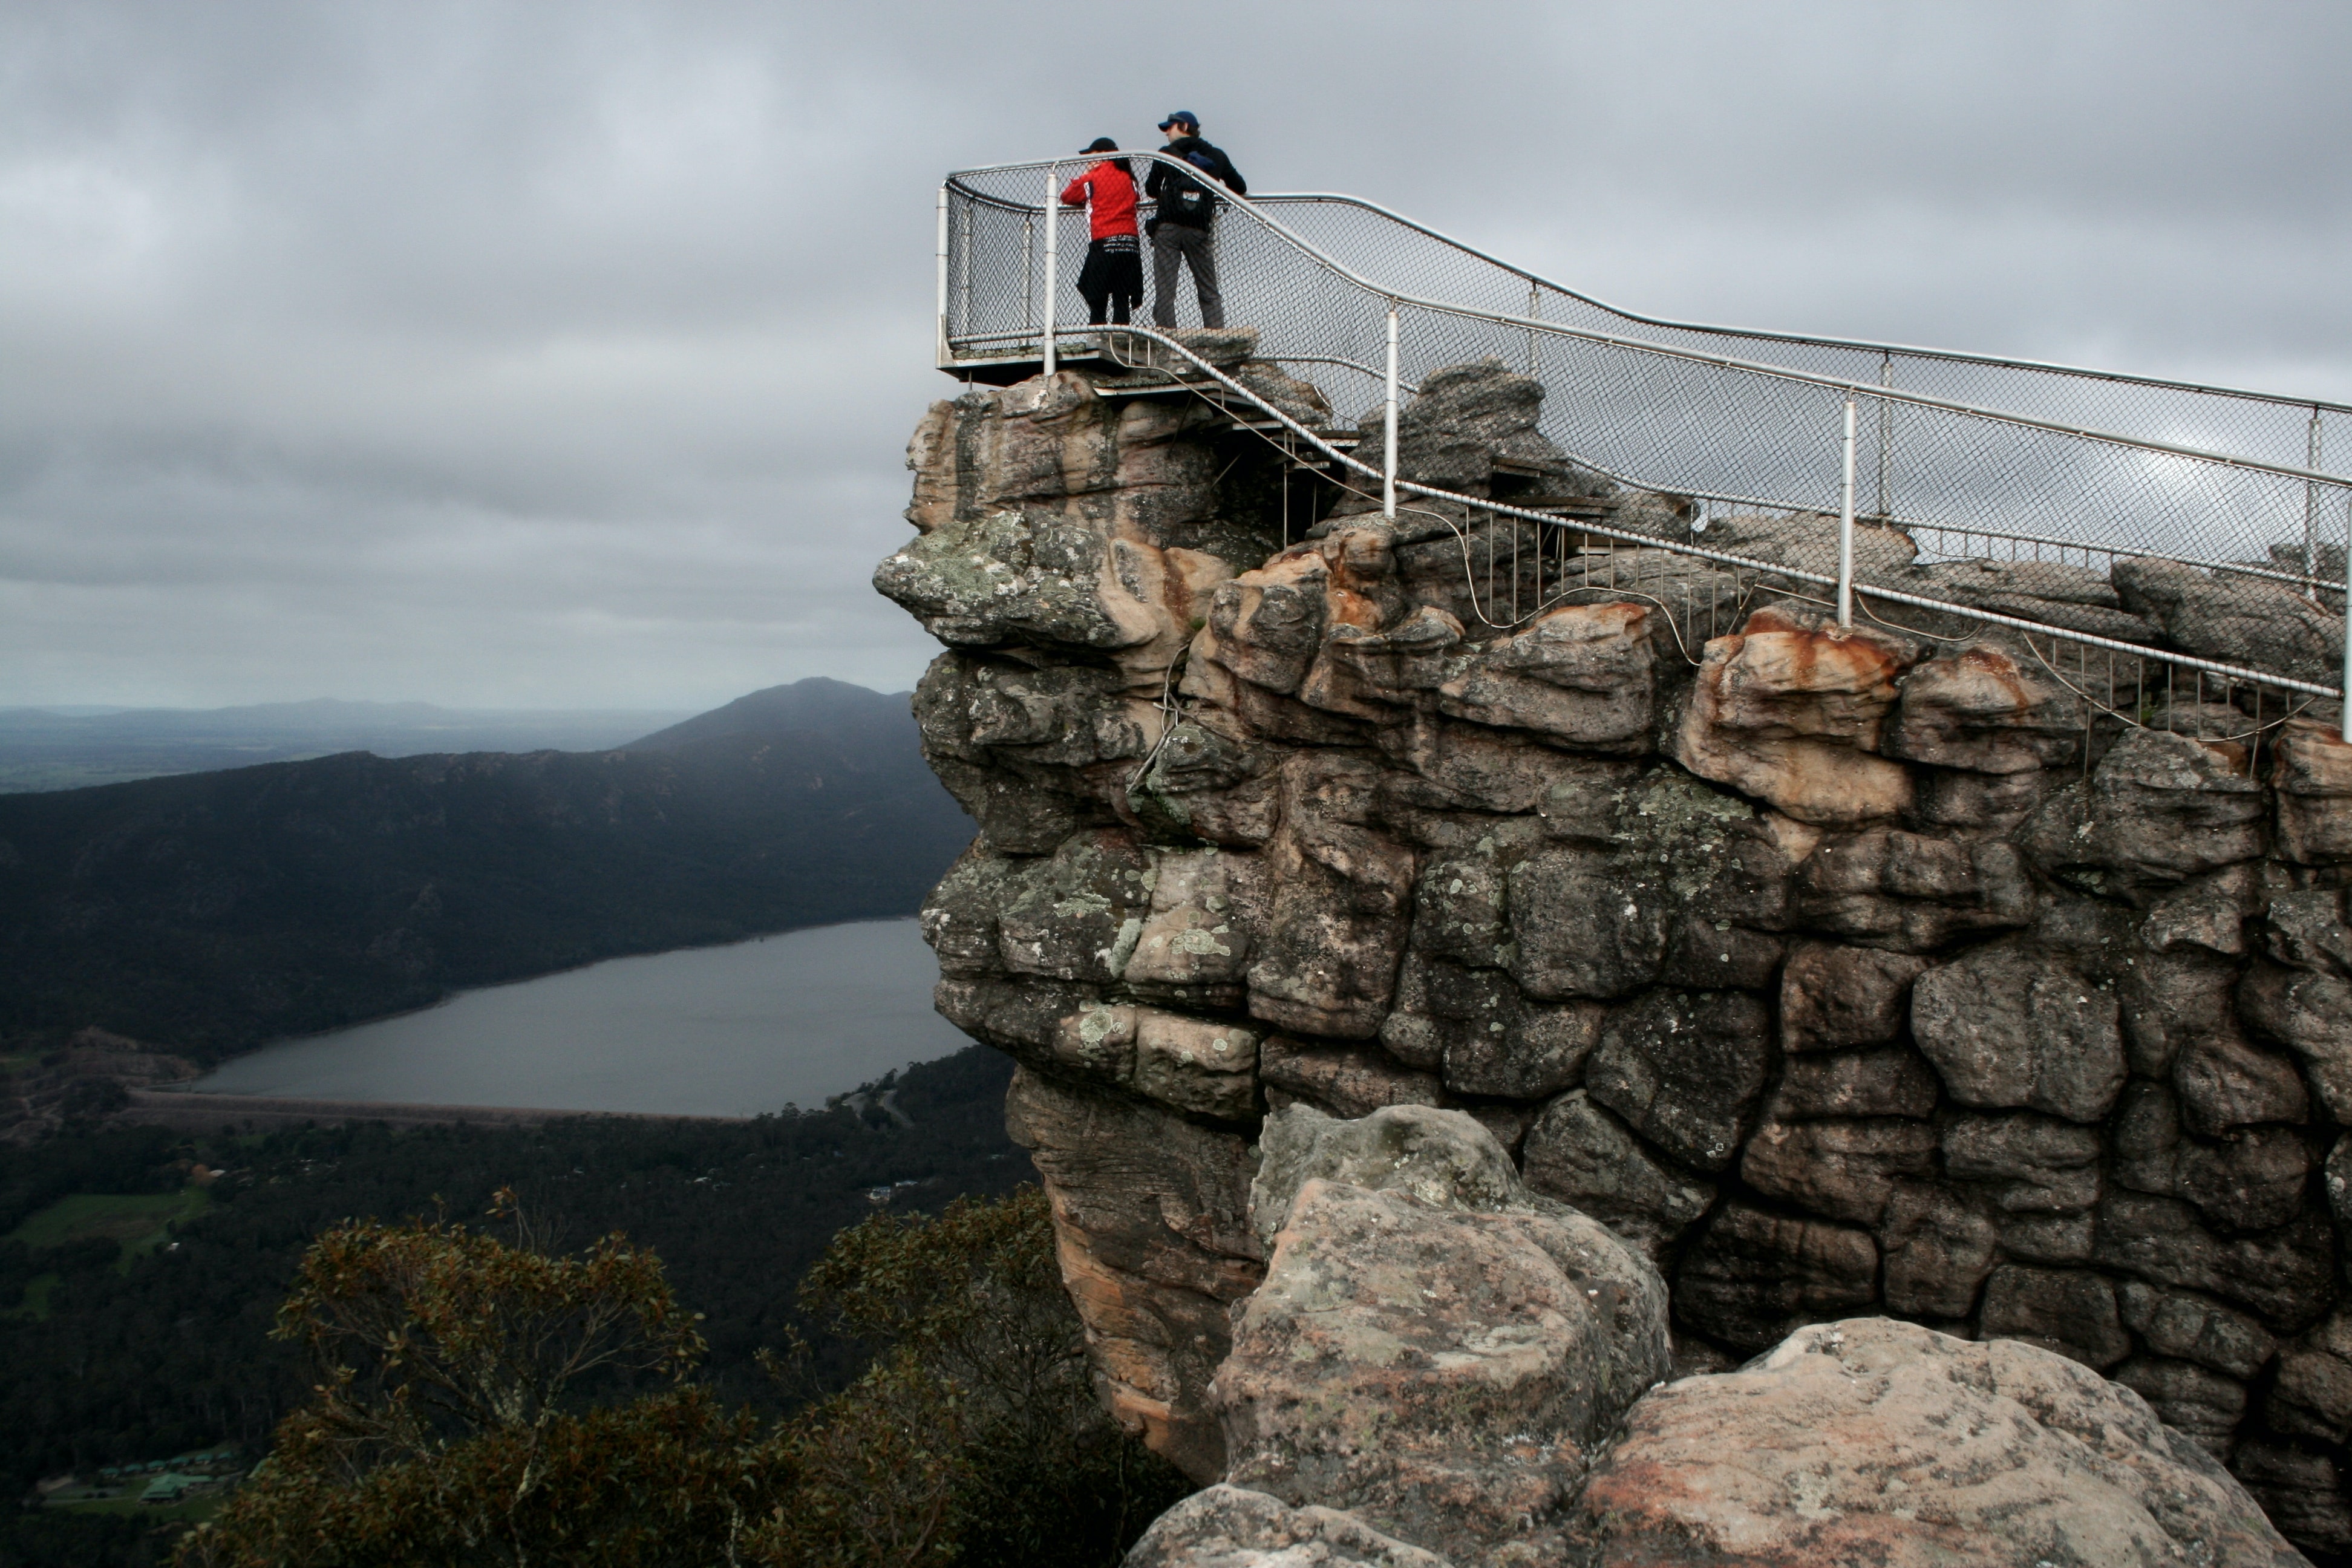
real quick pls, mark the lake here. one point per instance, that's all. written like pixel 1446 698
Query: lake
pixel 707 1031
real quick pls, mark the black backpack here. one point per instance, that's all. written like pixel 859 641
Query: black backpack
pixel 1184 200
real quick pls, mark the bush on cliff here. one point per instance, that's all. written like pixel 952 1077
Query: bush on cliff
pixel 481 1400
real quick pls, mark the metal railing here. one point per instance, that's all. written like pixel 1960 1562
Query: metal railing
pixel 1670 412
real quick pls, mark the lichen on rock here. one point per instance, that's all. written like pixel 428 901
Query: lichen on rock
pixel 1821 971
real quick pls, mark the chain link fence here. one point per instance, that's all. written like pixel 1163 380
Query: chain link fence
pixel 2108 515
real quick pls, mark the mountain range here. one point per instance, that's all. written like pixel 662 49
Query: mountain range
pixel 65 748
pixel 205 914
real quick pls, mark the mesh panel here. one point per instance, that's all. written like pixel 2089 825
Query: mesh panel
pixel 1742 421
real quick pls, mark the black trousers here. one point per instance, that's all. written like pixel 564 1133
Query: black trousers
pixel 1112 282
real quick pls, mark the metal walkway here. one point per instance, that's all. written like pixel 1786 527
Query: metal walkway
pixel 1971 457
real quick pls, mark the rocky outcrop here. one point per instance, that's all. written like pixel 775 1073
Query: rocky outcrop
pixel 1434 1349
pixel 1870 1441
pixel 1233 1527
pixel 1836 972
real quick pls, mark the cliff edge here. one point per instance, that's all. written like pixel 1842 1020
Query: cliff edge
pixel 1868 973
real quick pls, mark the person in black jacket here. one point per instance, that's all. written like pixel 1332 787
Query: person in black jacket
pixel 1182 226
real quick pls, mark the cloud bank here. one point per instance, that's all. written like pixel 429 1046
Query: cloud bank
pixel 517 355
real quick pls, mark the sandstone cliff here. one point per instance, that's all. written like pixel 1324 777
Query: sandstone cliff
pixel 1838 972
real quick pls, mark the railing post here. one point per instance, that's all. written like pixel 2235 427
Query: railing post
pixel 1388 426
pixel 1845 528
pixel 2348 618
pixel 1886 429
pixel 2311 509
pixel 1052 197
pixel 1534 314
pixel 943 355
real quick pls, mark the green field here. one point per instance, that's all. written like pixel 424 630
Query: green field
pixel 141 1221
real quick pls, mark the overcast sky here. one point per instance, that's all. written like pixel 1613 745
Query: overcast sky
pixel 564 353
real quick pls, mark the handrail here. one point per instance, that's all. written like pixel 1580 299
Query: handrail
pixel 1645 345
pixel 1690 419
pixel 1858 345
pixel 1724 557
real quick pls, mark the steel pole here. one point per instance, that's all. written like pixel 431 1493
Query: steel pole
pixel 943 355
pixel 1845 528
pixel 1388 426
pixel 2311 509
pixel 2347 709
pixel 1886 430
pixel 1052 227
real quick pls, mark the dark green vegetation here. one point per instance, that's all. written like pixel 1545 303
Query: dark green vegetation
pixel 207 914
pixel 444 1425
pixel 40 750
pixel 171 1353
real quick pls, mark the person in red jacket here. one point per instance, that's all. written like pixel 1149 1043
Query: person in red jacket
pixel 1112 282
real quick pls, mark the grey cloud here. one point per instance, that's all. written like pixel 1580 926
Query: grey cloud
pixel 516 353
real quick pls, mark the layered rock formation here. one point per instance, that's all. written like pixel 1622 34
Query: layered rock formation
pixel 1839 972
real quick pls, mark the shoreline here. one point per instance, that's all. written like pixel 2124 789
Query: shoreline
pixel 193 1111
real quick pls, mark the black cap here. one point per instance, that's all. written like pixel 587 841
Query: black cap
pixel 1182 117
pixel 1100 144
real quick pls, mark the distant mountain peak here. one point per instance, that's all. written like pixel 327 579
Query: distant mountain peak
pixel 815 703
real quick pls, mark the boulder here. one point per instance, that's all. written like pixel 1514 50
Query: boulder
pixel 1340 907
pixel 2285 1277
pixel 1580 926
pixel 1011 554
pixel 1440 1157
pixel 1193 942
pixel 1581 675
pixel 2313 1394
pixel 1871 1441
pixel 2187 1398
pixel 1977 710
pixel 1468 426
pixel 1439 1354
pixel 2077 598
pixel 1075 914
pixel 2302 1489
pixel 2306 929
pixel 1233 1527
pixel 1789 711
pixel 2026 1164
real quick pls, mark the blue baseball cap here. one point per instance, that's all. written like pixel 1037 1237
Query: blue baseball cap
pixel 1182 117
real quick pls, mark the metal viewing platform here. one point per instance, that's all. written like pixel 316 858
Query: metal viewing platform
pixel 1971 459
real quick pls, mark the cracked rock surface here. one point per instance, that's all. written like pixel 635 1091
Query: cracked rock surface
pixel 1834 971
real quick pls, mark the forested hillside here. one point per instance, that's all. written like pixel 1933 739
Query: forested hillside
pixel 110 1354
pixel 209 912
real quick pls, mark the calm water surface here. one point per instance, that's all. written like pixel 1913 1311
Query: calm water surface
pixel 710 1031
